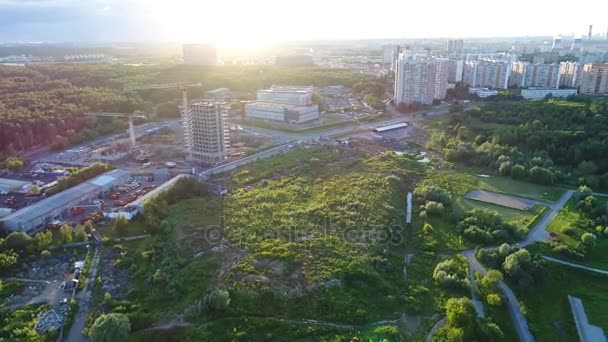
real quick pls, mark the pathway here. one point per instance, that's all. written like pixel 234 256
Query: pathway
pixel 436 326
pixel 518 318
pixel 571 264
pixel 478 304
pixel 84 302
pixel 538 233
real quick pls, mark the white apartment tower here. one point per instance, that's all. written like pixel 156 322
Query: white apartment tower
pixel 420 80
pixel 205 131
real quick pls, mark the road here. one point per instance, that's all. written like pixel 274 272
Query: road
pixel 539 233
pixel 571 264
pixel 84 302
pixel 436 326
pixel 518 318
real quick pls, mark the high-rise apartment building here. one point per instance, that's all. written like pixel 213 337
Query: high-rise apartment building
pixel 205 131
pixel 594 79
pixel 420 80
pixel 199 54
pixel 455 70
pixel 489 73
pixel 454 46
pixel 388 53
pixel 570 74
pixel 524 74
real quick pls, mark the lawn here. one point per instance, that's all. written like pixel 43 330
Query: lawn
pixel 569 225
pixel 460 182
pixel 547 307
pixel 135 227
pixel 520 218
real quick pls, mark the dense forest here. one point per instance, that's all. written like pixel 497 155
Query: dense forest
pixel 546 142
pixel 43 105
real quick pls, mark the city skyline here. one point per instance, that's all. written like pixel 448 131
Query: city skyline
pixel 245 23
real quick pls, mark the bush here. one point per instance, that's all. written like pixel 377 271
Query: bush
pixel 113 327
pixel 452 273
pixel 494 299
pixel 45 254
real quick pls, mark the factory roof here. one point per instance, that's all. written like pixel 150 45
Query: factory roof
pixel 391 127
pixel 64 198
pixel 13 183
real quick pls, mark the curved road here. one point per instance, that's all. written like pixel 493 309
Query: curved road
pixel 538 233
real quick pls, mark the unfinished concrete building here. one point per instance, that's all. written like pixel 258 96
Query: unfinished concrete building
pixel 205 131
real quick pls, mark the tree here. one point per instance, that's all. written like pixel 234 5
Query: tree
pixel 491 279
pixel 588 239
pixel 88 227
pixel 540 175
pixel 216 300
pixel 65 234
pixel 518 172
pixel 120 225
pixel 17 241
pixel 494 299
pixel 14 163
pixel 34 190
pixel 8 259
pixel 587 168
pixel 460 312
pixel 504 250
pixel 113 327
pixel 80 234
pixel 45 254
pixel 43 240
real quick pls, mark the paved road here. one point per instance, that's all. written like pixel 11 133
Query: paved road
pixel 478 304
pixel 519 321
pixel 84 303
pixel 538 233
pixel 571 264
pixel 436 326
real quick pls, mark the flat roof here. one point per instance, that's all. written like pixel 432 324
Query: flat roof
pixel 62 199
pixel 13 182
pixel 157 190
pixel 390 127
pixel 218 90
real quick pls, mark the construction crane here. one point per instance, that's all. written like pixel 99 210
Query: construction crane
pixel 181 86
pixel 121 115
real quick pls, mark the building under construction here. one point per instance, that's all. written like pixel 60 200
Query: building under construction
pixel 206 131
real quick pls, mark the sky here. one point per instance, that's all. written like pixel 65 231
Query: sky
pixel 257 22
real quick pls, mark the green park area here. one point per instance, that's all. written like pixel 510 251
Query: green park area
pixel 547 308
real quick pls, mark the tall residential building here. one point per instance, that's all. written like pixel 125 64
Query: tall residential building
pixel 594 79
pixel 420 80
pixel 206 131
pixel 454 46
pixel 570 74
pixel 489 73
pixel 524 75
pixel 292 95
pixel 577 43
pixel 388 52
pixel 200 54
pixel 455 70
pixel 557 43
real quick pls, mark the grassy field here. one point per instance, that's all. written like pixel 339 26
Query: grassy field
pixel 460 182
pixel 520 218
pixel 568 226
pixel 547 308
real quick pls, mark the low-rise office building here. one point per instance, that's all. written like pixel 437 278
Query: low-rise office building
pixel 541 93
pixel 483 92
pixel 281 112
pixel 13 185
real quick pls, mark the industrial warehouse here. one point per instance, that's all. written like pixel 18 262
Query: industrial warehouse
pixel 40 214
